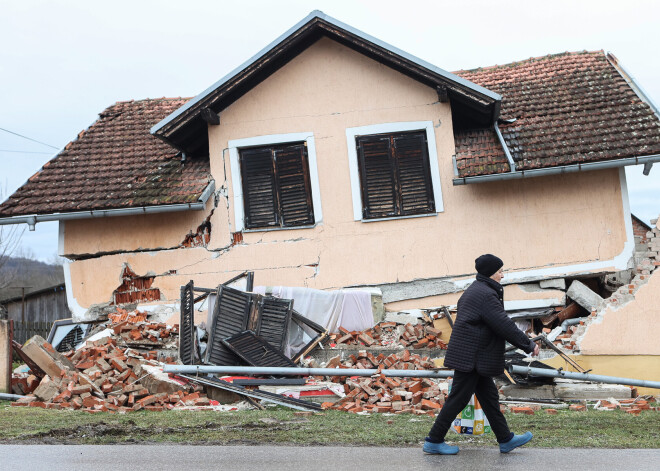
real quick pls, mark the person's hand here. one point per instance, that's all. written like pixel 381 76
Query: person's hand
pixel 535 353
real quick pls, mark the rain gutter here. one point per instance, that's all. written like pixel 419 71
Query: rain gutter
pixel 32 219
pixel 512 164
pixel 539 172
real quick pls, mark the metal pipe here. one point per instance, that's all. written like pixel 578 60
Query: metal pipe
pixel 292 371
pixel 567 322
pixel 10 397
pixel 33 219
pixel 528 370
pixel 533 339
pixel 538 172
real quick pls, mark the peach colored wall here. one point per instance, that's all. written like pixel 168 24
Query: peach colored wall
pixel 127 233
pixel 530 223
pixel 634 328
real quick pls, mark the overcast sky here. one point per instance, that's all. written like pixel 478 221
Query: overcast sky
pixel 63 62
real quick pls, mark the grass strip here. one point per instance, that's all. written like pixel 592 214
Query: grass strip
pixel 591 429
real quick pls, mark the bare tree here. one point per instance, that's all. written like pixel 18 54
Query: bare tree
pixel 10 238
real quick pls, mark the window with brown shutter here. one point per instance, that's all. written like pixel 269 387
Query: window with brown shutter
pixel 395 177
pixel 276 186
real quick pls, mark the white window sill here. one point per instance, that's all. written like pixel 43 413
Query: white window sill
pixel 400 217
pixel 272 229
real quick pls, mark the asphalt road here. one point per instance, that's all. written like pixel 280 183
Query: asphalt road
pixel 267 458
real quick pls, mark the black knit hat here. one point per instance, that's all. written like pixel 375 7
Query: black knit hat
pixel 488 264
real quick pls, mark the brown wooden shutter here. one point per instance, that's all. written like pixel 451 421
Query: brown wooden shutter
pixel 377 177
pixel 395 175
pixel 414 174
pixel 259 189
pixel 295 195
pixel 276 186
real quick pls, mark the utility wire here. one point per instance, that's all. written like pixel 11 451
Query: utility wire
pixel 28 138
pixel 25 151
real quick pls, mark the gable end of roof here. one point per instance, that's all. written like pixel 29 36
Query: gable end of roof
pixel 182 128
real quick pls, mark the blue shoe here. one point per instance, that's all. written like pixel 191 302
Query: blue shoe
pixel 515 442
pixel 439 448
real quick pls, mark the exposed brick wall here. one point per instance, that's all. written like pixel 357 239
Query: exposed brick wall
pixel 640 231
pixel 135 288
pixel 201 237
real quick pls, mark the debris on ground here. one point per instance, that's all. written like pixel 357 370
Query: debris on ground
pixel 116 373
pixel 379 393
pixel 393 335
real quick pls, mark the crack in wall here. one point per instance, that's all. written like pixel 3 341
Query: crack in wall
pixel 625 294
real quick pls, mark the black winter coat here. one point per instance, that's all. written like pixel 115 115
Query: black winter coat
pixel 480 329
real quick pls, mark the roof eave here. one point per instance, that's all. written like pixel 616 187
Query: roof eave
pixel 559 170
pixel 32 219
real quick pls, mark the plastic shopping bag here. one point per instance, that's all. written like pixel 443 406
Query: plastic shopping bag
pixel 472 420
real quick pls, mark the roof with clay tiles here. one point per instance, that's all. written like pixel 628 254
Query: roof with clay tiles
pixel 114 164
pixel 568 108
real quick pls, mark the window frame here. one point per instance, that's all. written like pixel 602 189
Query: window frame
pixel 235 146
pixel 392 128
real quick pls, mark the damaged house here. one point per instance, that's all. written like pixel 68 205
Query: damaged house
pixel 332 160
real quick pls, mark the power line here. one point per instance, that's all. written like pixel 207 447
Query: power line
pixel 28 138
pixel 25 152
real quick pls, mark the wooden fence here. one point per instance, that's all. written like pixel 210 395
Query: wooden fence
pixel 25 330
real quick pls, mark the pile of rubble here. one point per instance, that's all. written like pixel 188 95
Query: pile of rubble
pixel 103 375
pixel 380 393
pixel 631 406
pixel 392 334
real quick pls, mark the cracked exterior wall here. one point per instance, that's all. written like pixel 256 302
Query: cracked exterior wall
pixel 631 328
pixel 135 288
pixel 90 237
pixel 530 223
pixel 621 339
pixel 515 297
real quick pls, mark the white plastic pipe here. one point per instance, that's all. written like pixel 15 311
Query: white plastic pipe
pixel 293 371
pixel 528 370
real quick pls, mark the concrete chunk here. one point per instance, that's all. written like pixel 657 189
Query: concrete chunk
pixel 583 390
pixel 557 283
pixel 582 295
pixel 44 355
pixel 47 389
pixel 153 378
pixel 404 317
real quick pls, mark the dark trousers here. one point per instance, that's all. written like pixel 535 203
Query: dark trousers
pixel 462 388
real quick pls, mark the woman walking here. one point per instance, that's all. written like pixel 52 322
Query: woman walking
pixel 476 353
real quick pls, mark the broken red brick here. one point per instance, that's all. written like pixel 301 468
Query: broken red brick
pixel 522 410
